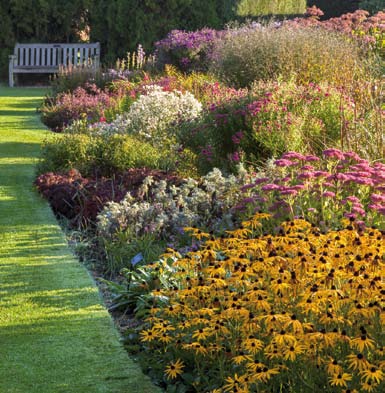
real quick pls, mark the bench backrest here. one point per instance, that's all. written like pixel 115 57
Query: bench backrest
pixel 56 55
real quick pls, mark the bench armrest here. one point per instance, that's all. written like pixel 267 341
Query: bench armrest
pixel 12 58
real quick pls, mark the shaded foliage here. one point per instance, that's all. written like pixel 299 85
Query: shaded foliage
pixel 80 199
pixel 336 7
pixel 120 25
pixel 39 21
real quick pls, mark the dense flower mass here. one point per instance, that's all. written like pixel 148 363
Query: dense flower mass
pixel 152 116
pixel 87 102
pixel 369 30
pixel 254 312
pixel 341 184
pixel 188 50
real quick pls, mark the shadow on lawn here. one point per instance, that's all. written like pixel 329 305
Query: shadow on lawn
pixel 19 150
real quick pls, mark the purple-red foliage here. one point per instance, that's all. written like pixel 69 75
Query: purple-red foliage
pixel 80 199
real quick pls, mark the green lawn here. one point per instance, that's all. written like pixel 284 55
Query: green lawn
pixel 55 334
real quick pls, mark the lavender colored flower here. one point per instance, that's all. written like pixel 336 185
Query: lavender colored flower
pixel 353 199
pixel 261 180
pixel 360 211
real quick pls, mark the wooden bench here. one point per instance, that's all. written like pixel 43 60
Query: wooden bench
pixel 48 58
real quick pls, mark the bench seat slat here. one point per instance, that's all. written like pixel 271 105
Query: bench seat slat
pixel 48 58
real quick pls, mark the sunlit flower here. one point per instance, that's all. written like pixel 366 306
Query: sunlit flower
pixel 340 379
pixel 174 369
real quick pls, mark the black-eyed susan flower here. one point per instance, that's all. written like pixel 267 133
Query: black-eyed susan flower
pixel 340 379
pixel 149 335
pixel 292 351
pixel 369 386
pixel 252 345
pixel 357 362
pixel 234 384
pixel 372 374
pixel 241 358
pixel 264 374
pixel 201 334
pixel 333 367
pixel 174 369
pixel 284 338
pixel 363 342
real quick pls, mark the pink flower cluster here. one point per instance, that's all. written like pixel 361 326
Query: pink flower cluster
pixel 369 29
pixel 341 184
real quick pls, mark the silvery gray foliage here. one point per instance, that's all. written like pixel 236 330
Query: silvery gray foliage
pixel 164 209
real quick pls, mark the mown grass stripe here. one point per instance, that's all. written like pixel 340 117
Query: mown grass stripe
pixel 55 334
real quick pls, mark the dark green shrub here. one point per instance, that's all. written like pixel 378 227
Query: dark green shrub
pixel 333 8
pixel 372 6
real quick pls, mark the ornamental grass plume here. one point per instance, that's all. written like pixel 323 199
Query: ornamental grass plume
pixel 302 311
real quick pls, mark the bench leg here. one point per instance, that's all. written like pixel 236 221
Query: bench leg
pixel 11 80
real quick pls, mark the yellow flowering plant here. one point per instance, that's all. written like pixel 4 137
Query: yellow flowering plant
pixel 301 311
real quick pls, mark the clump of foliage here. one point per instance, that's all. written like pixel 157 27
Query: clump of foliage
pixel 310 54
pixel 163 208
pixel 252 8
pixel 80 199
pixel 88 102
pixel 100 155
pixel 299 311
pixel 372 6
pixel 273 117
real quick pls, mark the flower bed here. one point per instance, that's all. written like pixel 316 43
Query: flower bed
pixel 302 311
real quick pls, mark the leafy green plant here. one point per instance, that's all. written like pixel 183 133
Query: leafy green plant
pixel 134 291
pixel 95 154
pixel 123 247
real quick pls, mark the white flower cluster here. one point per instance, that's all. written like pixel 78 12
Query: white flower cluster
pixel 164 209
pixel 153 115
